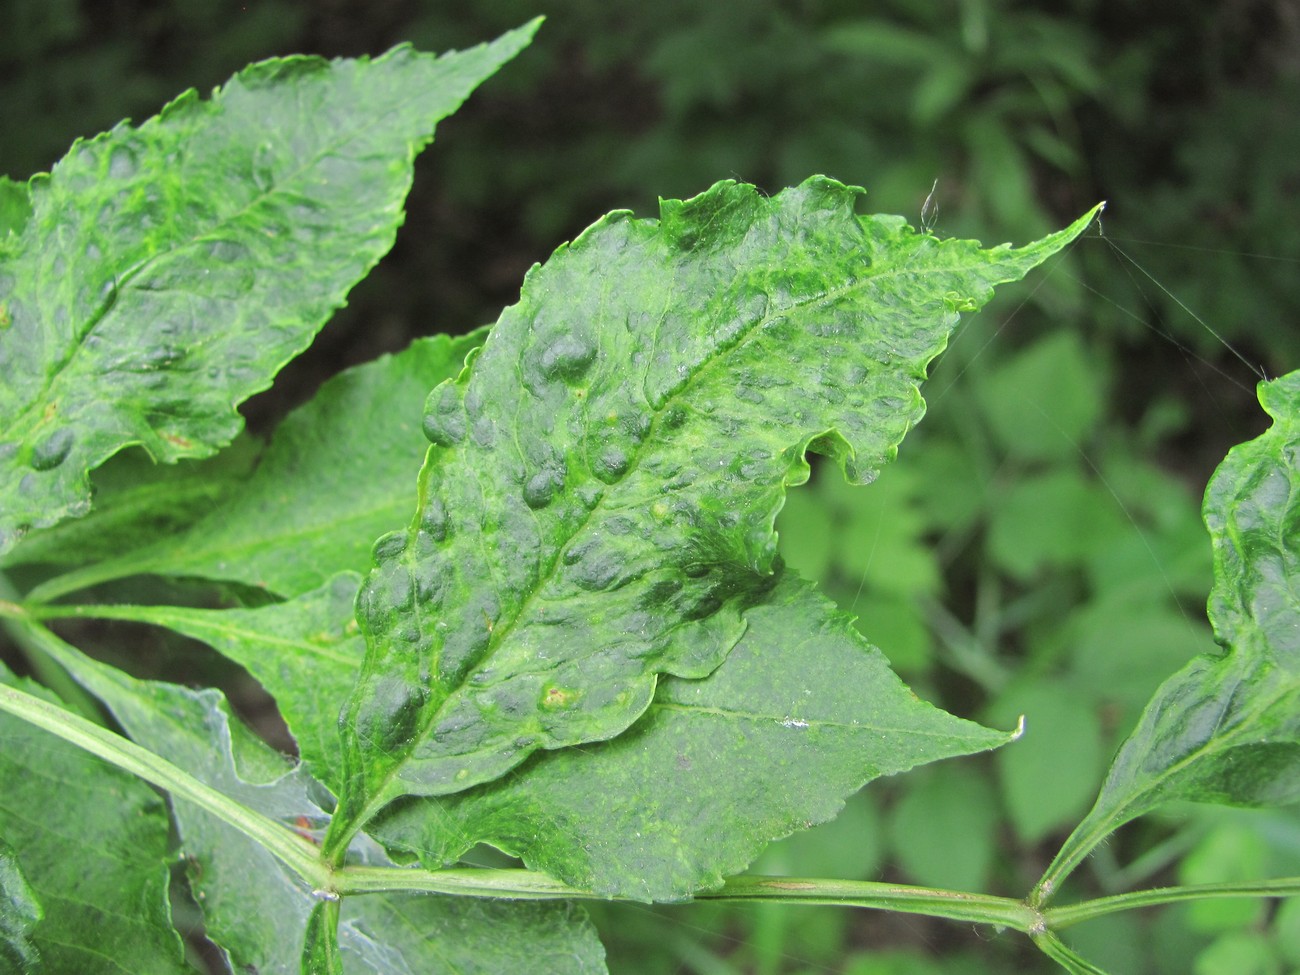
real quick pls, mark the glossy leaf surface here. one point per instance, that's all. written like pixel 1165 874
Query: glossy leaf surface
pixel 263 915
pixel 801 713
pixel 597 507
pixel 1226 728
pixel 168 271
pixel 20 912
pixel 91 844
pixel 339 472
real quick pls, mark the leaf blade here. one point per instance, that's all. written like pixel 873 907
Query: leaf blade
pixel 305 652
pixel 801 714
pixel 167 272
pixel 338 472
pixel 1226 728
pixel 20 912
pixel 91 842
pixel 606 474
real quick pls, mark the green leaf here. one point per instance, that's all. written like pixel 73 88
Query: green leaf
pixel 137 502
pixel 880 545
pixel 807 534
pixel 320 948
pixel 262 914
pixel 597 507
pixel 1242 953
pixel 168 271
pixel 1231 852
pixel 1286 930
pixel 20 912
pixel 1045 401
pixel 339 472
pixel 305 652
pixel 1227 728
pixel 91 841
pixel 1052 520
pixel 943 829
pixel 15 209
pixel 1049 776
pixel 1103 667
pixel 800 715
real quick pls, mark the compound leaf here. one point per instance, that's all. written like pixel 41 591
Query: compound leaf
pixel 1226 728
pixel 597 507
pixel 262 914
pixel 801 714
pixel 91 843
pixel 167 271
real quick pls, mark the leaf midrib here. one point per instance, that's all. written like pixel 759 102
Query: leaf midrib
pixel 804 723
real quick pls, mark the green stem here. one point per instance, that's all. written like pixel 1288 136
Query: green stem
pixel 1073 852
pixel 466 882
pixel 1052 946
pixel 529 885
pixel 299 854
pixel 933 902
pixel 1064 916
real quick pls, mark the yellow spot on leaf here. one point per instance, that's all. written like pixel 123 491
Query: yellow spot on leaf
pixel 558 697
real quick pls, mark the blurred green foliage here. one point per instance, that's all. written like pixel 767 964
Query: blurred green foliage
pixel 1037 550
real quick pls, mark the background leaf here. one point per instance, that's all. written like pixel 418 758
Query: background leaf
pixel 1043 403
pixel 943 830
pixel 1227 729
pixel 136 502
pixel 598 505
pixel 339 472
pixel 305 652
pixel 168 271
pixel 258 911
pixel 91 841
pixel 801 714
pixel 1051 774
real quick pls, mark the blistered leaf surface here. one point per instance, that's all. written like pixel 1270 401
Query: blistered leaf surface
pixel 167 272
pixel 1226 728
pixel 598 504
pixel 801 714
pixel 262 914
pixel 91 844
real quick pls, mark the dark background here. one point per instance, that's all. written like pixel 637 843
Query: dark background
pixel 1074 420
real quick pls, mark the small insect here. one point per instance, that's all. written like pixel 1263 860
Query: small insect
pixel 303 827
